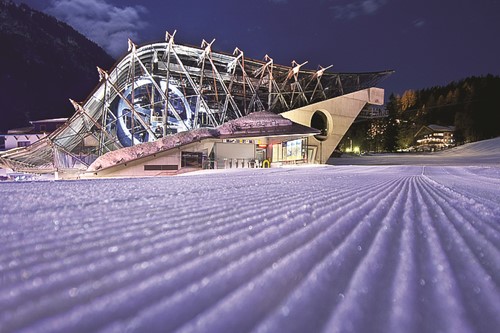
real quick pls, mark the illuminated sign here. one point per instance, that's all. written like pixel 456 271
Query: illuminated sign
pixel 294 150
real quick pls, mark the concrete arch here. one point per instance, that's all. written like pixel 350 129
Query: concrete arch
pixel 340 113
pixel 322 120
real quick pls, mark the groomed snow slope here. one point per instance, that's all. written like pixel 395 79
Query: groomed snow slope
pixel 309 249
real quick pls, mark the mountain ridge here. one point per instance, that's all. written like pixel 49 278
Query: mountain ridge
pixel 45 62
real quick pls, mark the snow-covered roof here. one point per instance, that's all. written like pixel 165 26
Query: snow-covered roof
pixel 263 124
pixel 434 129
pixel 21 130
pixel 440 128
pixel 30 129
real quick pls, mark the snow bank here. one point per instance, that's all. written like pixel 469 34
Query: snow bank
pixel 481 148
pixel 324 249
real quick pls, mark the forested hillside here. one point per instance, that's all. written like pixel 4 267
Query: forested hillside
pixel 44 62
pixel 472 105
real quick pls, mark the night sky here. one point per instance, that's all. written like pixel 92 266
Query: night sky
pixel 427 42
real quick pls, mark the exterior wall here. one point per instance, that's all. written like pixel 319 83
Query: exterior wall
pixel 20 140
pixel 242 153
pixel 26 136
pixel 340 113
pixel 167 159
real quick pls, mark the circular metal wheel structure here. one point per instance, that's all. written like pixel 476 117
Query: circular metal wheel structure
pixel 151 110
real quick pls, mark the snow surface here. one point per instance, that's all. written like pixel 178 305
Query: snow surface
pixel 303 249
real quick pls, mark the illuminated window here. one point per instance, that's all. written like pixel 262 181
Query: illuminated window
pixel 192 160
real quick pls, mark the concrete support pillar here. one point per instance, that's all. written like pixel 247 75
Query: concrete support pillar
pixel 335 116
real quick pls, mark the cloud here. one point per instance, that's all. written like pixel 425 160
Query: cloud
pixel 419 23
pixel 106 24
pixel 349 10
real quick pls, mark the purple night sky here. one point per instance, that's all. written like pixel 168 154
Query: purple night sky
pixel 426 42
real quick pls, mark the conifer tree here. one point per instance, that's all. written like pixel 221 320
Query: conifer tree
pixel 391 130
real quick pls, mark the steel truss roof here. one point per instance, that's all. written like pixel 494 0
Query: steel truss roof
pixel 224 87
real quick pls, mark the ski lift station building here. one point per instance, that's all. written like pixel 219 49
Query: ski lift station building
pixel 166 108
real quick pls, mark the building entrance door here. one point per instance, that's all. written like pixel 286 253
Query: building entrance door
pixel 260 154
